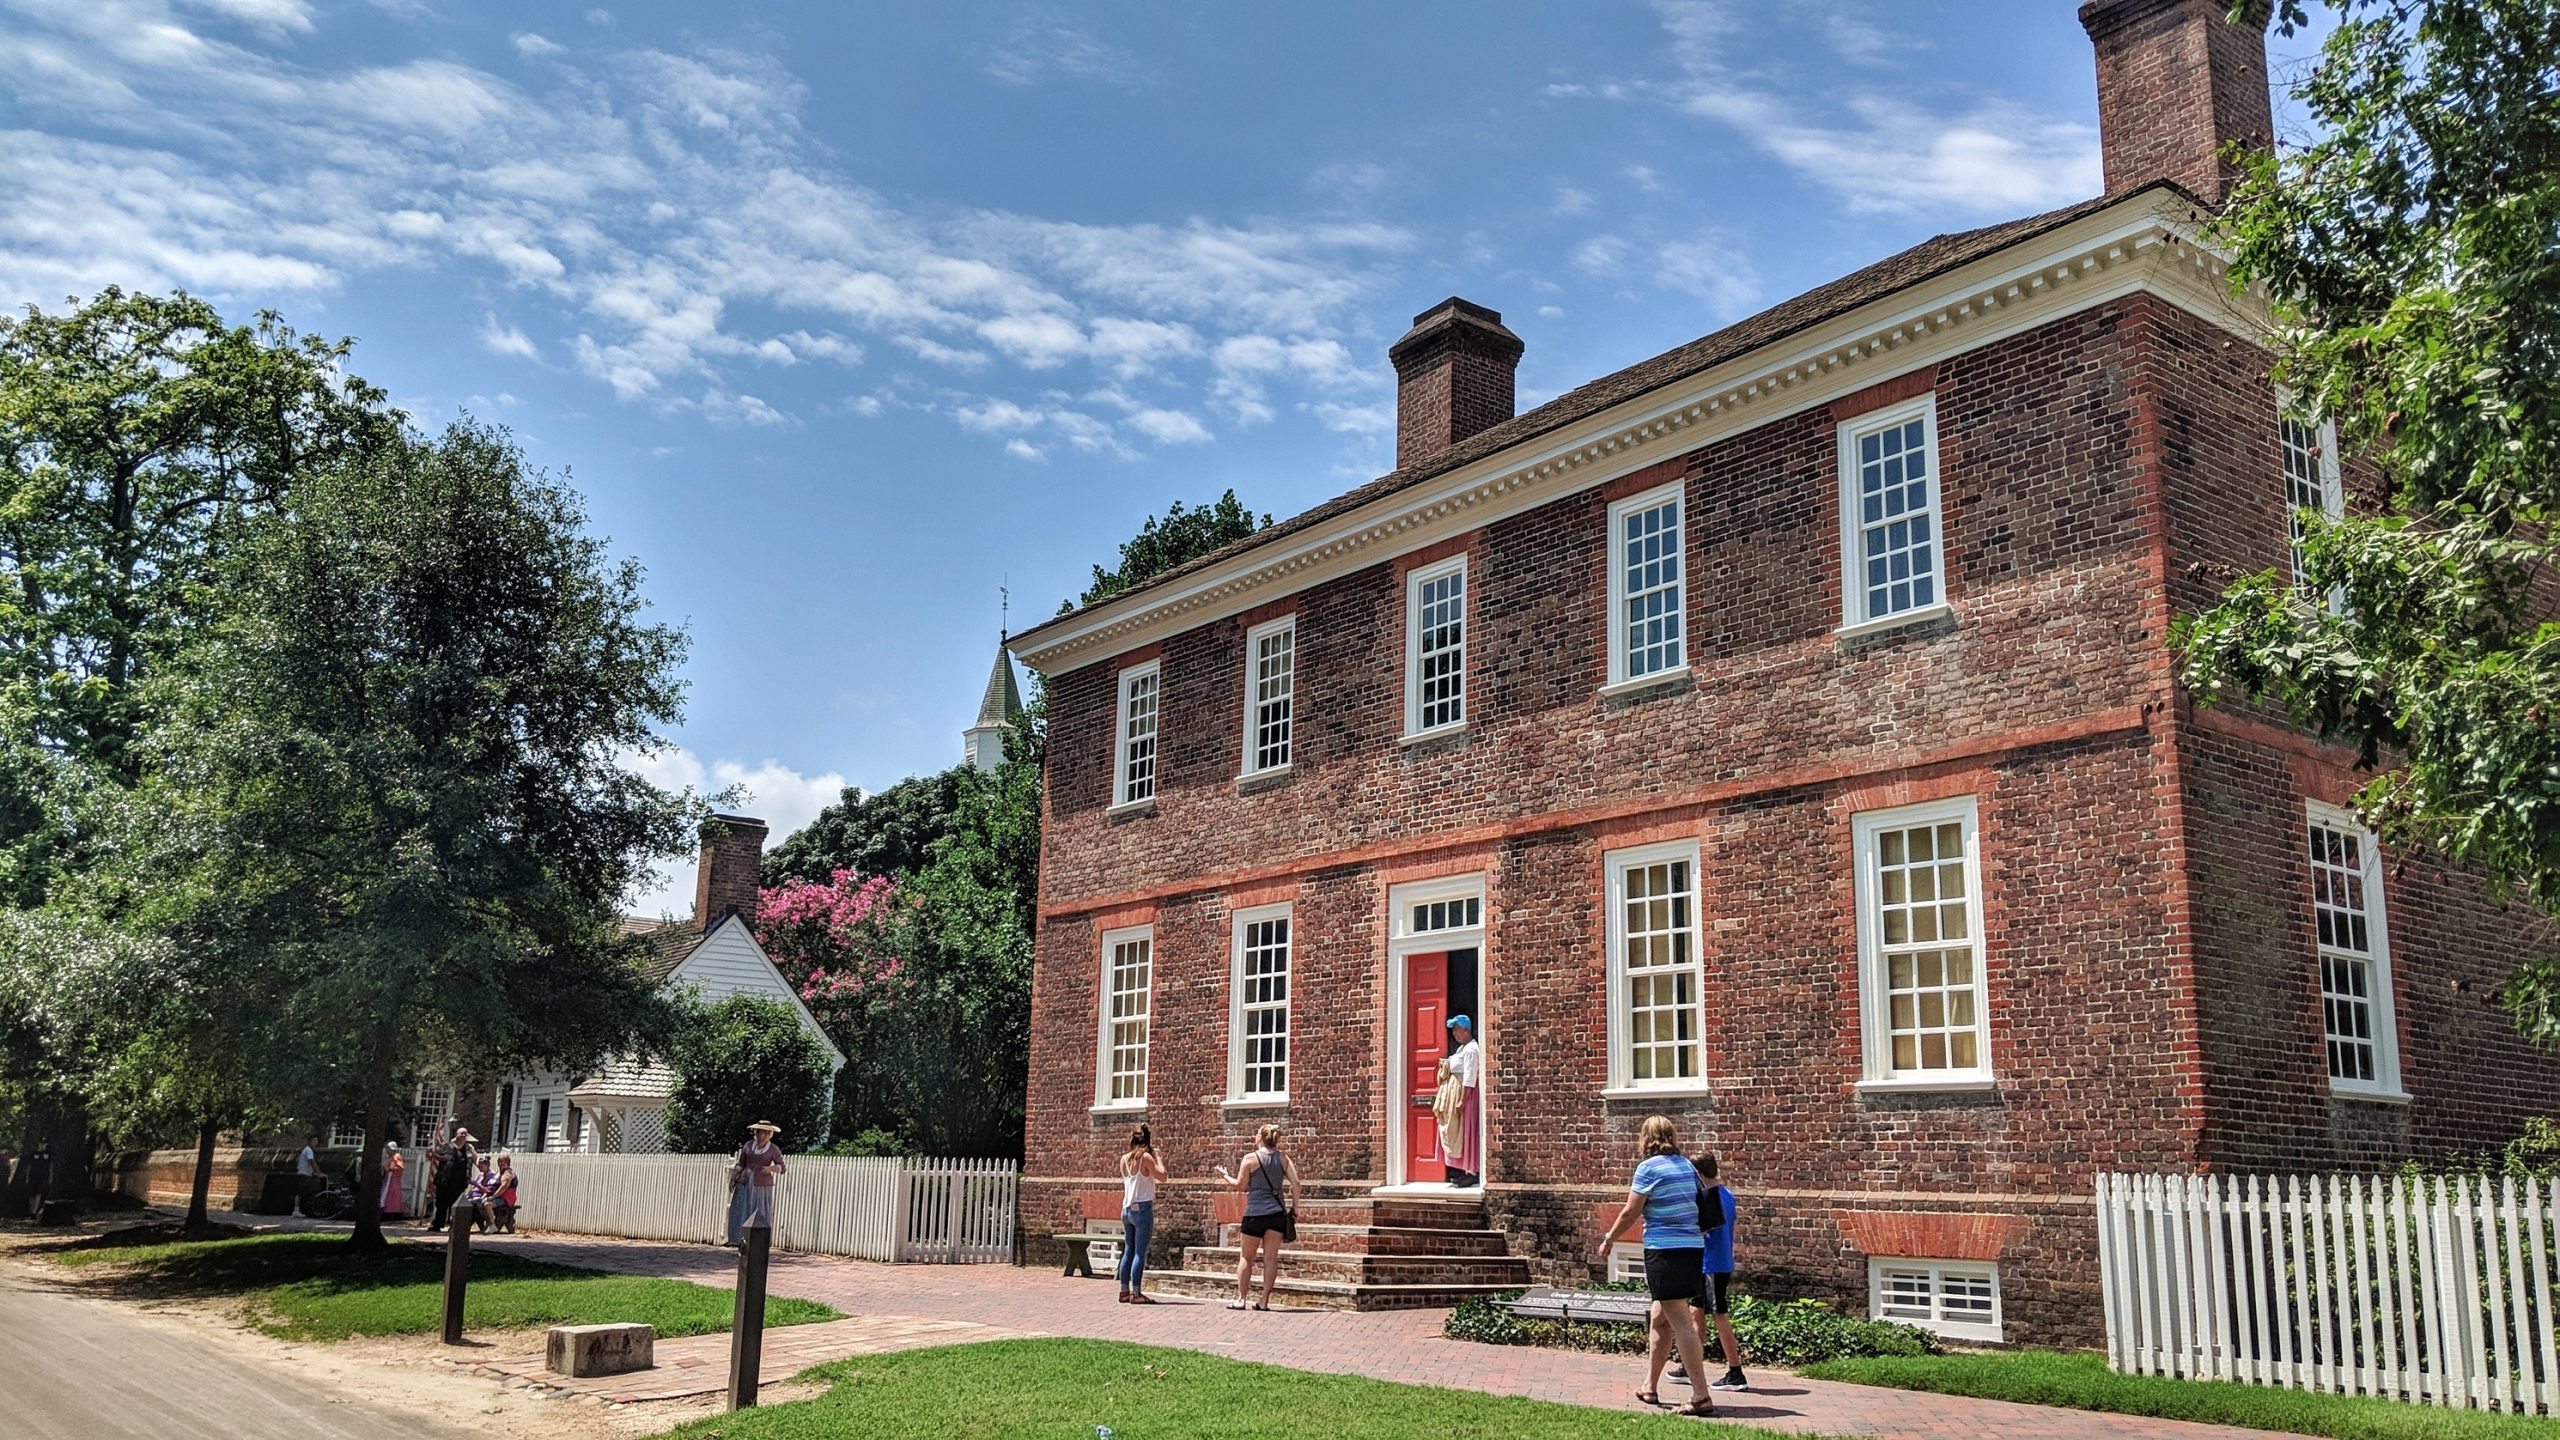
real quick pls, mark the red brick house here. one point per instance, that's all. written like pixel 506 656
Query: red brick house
pixel 1780 734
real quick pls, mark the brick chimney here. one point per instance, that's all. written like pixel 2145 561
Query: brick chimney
pixel 1453 377
pixel 732 849
pixel 2176 82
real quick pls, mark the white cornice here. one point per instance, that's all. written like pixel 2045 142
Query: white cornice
pixel 2148 243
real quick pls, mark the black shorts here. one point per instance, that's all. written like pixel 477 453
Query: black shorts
pixel 1713 1301
pixel 1674 1275
pixel 1277 1223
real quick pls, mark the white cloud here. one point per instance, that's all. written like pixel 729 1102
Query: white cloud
pixel 534 47
pixel 1569 201
pixel 502 339
pixel 1601 257
pixel 1169 427
pixel 1712 269
pixel 1021 449
pixel 1037 45
pixel 783 798
pixel 600 17
pixel 276 17
pixel 1643 178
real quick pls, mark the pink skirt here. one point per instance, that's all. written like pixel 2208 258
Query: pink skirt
pixel 1468 1156
pixel 392 1207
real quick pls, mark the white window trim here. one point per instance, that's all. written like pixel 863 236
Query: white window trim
pixel 2385 1084
pixel 1619 862
pixel 1237 921
pixel 1404 940
pixel 1937 1324
pixel 1414 580
pixel 1120 797
pixel 1676 495
pixel 1253 639
pixel 1854 619
pixel 1112 939
pixel 1874 1014
pixel 340 1130
pixel 2333 488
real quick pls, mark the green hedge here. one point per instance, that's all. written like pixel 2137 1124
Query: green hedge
pixel 1790 1333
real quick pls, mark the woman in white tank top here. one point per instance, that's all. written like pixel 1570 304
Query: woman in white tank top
pixel 1139 1172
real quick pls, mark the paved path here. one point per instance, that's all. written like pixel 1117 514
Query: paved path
pixel 78 1369
pixel 1392 1345
pixel 699 1364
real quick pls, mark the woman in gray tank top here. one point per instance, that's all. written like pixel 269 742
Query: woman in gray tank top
pixel 1269 1181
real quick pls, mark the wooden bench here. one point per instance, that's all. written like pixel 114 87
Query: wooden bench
pixel 1080 1252
pixel 1613 1307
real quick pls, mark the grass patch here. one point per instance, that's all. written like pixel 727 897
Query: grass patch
pixel 316 1287
pixel 1062 1389
pixel 2083 1382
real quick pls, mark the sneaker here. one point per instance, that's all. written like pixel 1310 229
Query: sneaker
pixel 1732 1381
pixel 1677 1371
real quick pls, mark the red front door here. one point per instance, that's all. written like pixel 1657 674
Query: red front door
pixel 1426 1032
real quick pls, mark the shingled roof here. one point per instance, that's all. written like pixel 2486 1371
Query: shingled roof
pixel 666 943
pixel 1003 700
pixel 1930 258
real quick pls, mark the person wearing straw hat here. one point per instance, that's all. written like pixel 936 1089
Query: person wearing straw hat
pixel 758 1162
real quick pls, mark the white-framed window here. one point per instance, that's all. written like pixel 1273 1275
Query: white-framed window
pixel 1890 557
pixel 1435 646
pixel 2311 483
pixel 2354 953
pixel 1450 912
pixel 346 1134
pixel 1120 1055
pixel 1270 694
pixel 1626 1261
pixel 1656 976
pixel 1141 693
pixel 431 1104
pixel 1647 627
pixel 1922 1001
pixel 1959 1299
pixel 1258 1010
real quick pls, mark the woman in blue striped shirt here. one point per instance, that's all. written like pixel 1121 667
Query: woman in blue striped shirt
pixel 1664 1194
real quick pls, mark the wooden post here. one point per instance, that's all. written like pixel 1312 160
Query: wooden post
pixel 457 1274
pixel 746 1327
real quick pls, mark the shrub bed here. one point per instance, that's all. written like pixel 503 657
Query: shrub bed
pixel 1773 1332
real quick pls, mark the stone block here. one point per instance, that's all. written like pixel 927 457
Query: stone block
pixel 580 1350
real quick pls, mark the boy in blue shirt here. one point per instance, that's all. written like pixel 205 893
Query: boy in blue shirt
pixel 1717 1265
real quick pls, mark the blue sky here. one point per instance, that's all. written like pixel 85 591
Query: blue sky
pixel 842 315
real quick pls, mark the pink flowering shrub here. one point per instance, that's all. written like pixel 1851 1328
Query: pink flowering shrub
pixel 836 940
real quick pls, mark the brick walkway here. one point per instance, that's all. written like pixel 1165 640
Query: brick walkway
pixel 699 1364
pixel 1391 1345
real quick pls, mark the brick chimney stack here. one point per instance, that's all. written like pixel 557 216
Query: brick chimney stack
pixel 732 851
pixel 2176 82
pixel 1453 377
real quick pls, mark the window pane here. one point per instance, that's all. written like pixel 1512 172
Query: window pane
pixel 1263 1006
pixel 1896 519
pixel 1439 623
pixel 1926 964
pixel 1649 581
pixel 1655 951
pixel 1138 738
pixel 2340 919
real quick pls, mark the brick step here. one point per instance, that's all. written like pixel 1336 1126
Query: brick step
pixel 1354 1269
pixel 1391 1240
pixel 1293 1293
pixel 1396 1212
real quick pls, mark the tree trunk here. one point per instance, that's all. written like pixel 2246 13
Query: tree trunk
pixel 206 1133
pixel 377 1130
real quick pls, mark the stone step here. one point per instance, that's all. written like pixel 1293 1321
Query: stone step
pixel 1391 1240
pixel 1292 1293
pixel 1358 1269
pixel 1411 1212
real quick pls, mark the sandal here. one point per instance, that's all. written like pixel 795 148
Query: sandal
pixel 1235 1305
pixel 1702 1407
pixel 1649 1397
pixel 1262 1305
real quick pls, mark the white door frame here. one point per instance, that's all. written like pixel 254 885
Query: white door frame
pixel 1403 944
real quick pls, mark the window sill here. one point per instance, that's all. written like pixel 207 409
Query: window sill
pixel 2372 1097
pixel 1424 737
pixel 1133 807
pixel 1254 1102
pixel 1253 780
pixel 1653 1092
pixel 1122 1107
pixel 1906 1084
pixel 1940 611
pixel 1641 684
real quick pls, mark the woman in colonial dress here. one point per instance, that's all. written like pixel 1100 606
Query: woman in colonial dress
pixel 1466 1066
pixel 394 1195
pixel 758 1162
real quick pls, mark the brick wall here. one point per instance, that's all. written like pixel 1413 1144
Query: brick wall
pixel 2085 464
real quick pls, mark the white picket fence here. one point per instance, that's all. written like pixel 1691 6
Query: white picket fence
pixel 2437 1290
pixel 952 1211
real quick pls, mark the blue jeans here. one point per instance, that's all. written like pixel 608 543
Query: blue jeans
pixel 1137 1228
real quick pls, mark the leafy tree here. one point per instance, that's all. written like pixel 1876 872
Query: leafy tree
pixel 1177 537
pixel 743 1060
pixel 139 435
pixel 2412 252
pixel 393 758
pixel 889 834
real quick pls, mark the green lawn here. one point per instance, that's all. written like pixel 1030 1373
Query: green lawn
pixel 2083 1382
pixel 314 1287
pixel 1062 1389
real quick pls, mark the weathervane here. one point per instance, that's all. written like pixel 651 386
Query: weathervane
pixel 1004 611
